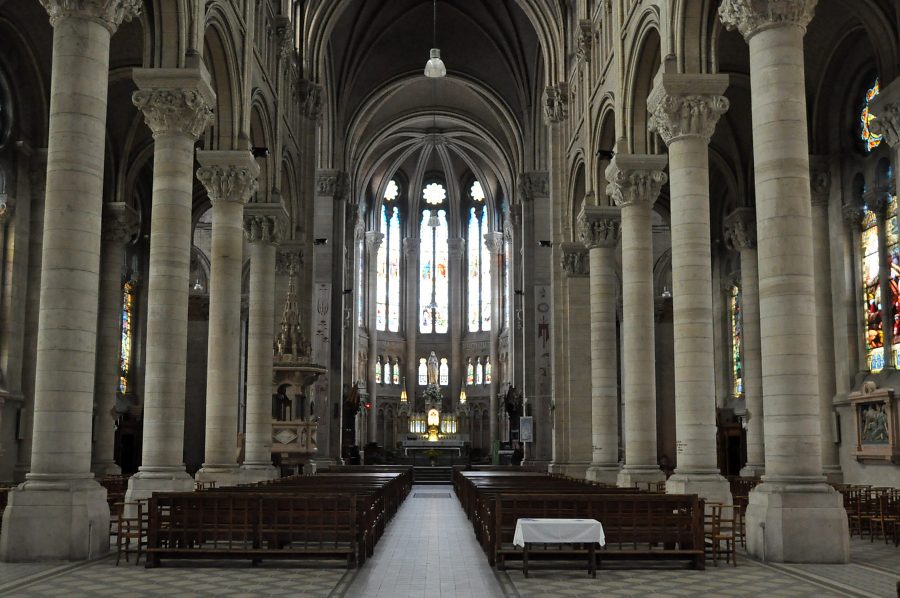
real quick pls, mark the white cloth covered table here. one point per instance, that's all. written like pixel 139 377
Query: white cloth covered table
pixel 558 531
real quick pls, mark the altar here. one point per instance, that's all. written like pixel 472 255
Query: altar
pixel 433 422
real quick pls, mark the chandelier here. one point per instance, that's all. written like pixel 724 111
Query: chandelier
pixel 435 68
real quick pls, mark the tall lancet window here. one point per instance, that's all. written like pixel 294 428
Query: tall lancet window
pixel 479 263
pixel 360 269
pixel 507 283
pixel 870 139
pixel 387 310
pixel 127 333
pixel 872 292
pixel 737 336
pixel 434 284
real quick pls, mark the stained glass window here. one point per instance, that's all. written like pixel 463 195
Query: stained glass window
pixel 396 375
pixel 872 292
pixel 127 332
pixel 423 372
pixel 869 138
pixel 378 371
pixel 893 252
pixel 479 372
pixel 488 372
pixel 444 372
pixel 479 263
pixel 387 289
pixel 360 268
pixel 470 373
pixel 434 284
pixel 507 292
pixel 737 335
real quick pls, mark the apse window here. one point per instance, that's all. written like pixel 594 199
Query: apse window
pixel 871 139
pixel 434 283
pixel 387 287
pixel 478 258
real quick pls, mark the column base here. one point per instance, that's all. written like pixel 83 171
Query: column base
pixel 711 487
pixel 157 479
pixel 537 464
pixel 630 475
pixel 753 470
pixel 50 518
pixel 252 473
pixel 572 470
pixel 605 474
pixel 105 468
pixel 797 521
pixel 19 473
pixel 222 475
pixel 833 474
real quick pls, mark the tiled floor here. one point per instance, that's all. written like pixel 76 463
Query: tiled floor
pixel 429 551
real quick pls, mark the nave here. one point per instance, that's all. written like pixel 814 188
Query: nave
pixel 429 550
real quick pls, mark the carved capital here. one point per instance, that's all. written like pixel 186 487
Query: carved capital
pixel 109 13
pixel 265 223
pixel 819 180
pixel 456 247
pixel 6 210
pixel 635 179
pixel 174 101
pixel 121 224
pixel 411 245
pixel 852 213
pixel 288 258
pixel 533 184
pixel 374 240
pixel 752 16
pixel 740 229
pixel 675 114
pixel 309 97
pixel 585 40
pixel 494 243
pixel 556 103
pixel 331 184
pixel 599 227
pixel 229 176
pixel 885 107
pixel 574 258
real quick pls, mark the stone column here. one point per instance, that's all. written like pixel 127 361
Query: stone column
pixel 820 179
pixel 599 231
pixel 793 516
pixel 265 224
pixel 634 184
pixel 684 110
pixel 455 249
pixel 177 106
pixel 230 179
pixel 494 244
pixel 374 240
pixel 851 214
pixel 740 236
pixel 60 512
pixel 411 251
pixel 120 225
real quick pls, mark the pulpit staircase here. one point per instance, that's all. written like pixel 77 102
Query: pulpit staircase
pixel 433 476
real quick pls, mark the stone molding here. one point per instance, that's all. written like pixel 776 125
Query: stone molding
pixel 819 180
pixel 585 41
pixel 494 243
pixel 752 16
pixel 121 223
pixel 265 223
pixel 635 179
pixel 740 229
pixel 600 227
pixel 533 184
pixel 174 100
pixel 373 241
pixel 556 103
pixel 574 260
pixel 686 105
pixel 109 13
pixel 228 176
pixel 331 183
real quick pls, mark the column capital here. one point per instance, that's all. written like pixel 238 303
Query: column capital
pixel 109 13
pixel 265 222
pixel 752 16
pixel 683 105
pixel 331 183
pixel 556 103
pixel 456 247
pixel 819 180
pixel 852 213
pixel 309 97
pixel 574 260
pixel 288 256
pixel 877 200
pixel 533 184
pixel 411 245
pixel 635 179
pixel 886 109
pixel 585 41
pixel 6 210
pixel 599 226
pixel 229 176
pixel 121 223
pixel 494 243
pixel 174 101
pixel 740 229
pixel 373 241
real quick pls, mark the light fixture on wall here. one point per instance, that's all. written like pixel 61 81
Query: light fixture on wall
pixel 197 288
pixel 435 68
pixel 666 293
pixel 462 397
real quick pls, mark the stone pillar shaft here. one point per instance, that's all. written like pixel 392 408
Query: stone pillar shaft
pixel 230 180
pixel 120 225
pixel 373 243
pixel 494 244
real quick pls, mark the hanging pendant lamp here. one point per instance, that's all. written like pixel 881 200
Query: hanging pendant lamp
pixel 435 68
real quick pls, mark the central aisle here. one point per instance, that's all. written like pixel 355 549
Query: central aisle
pixel 427 550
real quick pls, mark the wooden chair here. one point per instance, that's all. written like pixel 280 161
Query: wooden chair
pixel 723 530
pixel 881 517
pixel 131 532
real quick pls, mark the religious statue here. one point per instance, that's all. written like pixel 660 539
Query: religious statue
pixel 433 369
